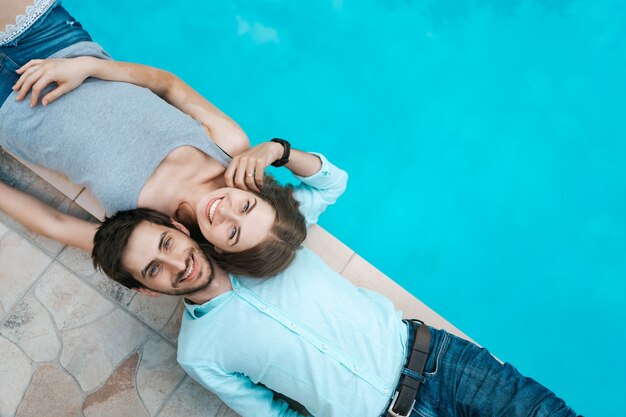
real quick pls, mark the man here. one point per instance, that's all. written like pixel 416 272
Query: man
pixel 308 334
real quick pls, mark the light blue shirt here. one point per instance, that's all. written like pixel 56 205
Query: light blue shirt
pixel 307 333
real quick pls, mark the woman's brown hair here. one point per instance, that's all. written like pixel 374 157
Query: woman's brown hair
pixel 274 254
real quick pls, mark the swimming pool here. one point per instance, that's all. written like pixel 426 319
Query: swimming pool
pixel 484 140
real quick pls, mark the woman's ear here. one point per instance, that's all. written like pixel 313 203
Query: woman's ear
pixel 148 292
pixel 218 250
pixel 181 227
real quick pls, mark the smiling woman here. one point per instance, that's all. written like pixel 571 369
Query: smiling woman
pixel 178 158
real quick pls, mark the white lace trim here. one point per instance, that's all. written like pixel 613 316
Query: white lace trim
pixel 23 22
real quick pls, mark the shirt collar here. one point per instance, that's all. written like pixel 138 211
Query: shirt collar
pixel 196 311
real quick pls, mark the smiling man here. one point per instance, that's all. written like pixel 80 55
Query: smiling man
pixel 145 250
pixel 310 335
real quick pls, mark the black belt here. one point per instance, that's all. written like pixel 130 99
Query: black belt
pixel 406 392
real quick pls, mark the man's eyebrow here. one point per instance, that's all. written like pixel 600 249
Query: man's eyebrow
pixel 161 240
pixel 239 231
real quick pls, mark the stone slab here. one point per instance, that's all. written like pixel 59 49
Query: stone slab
pixel 158 374
pixel 155 312
pixel 117 397
pixel 52 393
pixel 111 289
pixel 3 229
pixel 22 264
pixel 191 399
pixel 326 246
pixel 15 374
pixel 92 352
pixel 171 329
pixel 77 260
pixel 71 301
pixel 31 327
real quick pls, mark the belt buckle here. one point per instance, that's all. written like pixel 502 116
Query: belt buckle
pixel 393 402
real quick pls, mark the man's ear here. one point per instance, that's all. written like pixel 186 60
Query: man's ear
pixel 148 292
pixel 180 227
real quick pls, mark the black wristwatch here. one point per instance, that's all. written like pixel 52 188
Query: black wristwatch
pixel 287 150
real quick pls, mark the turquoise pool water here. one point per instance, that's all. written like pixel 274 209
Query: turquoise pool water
pixel 485 141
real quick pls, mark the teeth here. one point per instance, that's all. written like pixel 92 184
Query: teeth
pixel 212 209
pixel 188 273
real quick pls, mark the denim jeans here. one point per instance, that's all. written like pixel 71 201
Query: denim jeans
pixel 462 379
pixel 53 31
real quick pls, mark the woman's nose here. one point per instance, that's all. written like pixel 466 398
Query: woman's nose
pixel 226 212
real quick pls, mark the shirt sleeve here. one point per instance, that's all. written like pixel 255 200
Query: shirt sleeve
pixel 239 393
pixel 320 190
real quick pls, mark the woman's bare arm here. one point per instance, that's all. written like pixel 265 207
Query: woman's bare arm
pixel 45 220
pixel 70 73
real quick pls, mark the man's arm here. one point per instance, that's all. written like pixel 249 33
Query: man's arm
pixel 240 393
pixel 70 73
pixel 45 220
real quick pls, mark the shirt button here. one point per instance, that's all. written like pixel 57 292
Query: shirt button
pixel 324 347
pixel 386 390
pixel 263 308
pixel 294 326
pixel 356 368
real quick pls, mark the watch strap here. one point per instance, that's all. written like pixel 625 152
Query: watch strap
pixel 284 159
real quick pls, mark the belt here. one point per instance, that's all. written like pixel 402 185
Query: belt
pixel 406 392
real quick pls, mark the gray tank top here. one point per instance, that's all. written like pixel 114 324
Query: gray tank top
pixel 107 136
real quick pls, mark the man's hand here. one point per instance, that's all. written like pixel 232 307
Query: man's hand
pixel 247 169
pixel 37 74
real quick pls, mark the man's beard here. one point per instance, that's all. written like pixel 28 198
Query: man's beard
pixel 200 285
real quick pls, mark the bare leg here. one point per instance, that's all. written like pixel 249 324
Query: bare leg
pixel 10 9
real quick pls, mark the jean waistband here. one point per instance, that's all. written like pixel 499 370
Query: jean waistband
pixel 409 348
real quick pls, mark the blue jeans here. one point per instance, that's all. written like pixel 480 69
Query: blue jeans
pixel 53 31
pixel 462 379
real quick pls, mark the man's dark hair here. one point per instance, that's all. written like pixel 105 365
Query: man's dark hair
pixel 274 254
pixel 112 237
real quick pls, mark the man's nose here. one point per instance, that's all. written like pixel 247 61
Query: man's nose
pixel 176 264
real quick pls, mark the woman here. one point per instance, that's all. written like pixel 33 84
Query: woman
pixel 132 149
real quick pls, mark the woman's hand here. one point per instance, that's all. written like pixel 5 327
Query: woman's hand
pixel 37 74
pixel 247 169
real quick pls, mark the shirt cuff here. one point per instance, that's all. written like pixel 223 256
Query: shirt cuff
pixel 324 176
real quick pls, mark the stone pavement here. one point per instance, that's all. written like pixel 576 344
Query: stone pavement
pixel 73 342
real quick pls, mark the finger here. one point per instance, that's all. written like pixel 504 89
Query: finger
pixel 229 175
pixel 259 173
pixel 54 94
pixel 250 175
pixel 38 88
pixel 24 77
pixel 28 83
pixel 28 65
pixel 241 173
